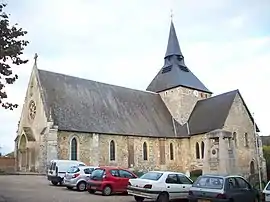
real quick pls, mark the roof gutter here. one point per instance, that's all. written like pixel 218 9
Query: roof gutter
pixel 188 128
pixel 174 129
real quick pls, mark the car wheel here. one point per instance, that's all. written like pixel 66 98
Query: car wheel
pixel 54 183
pixel 91 191
pixel 163 197
pixel 81 186
pixel 107 191
pixel 138 199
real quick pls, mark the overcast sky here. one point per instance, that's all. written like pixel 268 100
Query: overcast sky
pixel 225 44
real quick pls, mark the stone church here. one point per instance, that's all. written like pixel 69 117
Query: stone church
pixel 176 124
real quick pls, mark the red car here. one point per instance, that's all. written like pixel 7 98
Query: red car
pixel 109 180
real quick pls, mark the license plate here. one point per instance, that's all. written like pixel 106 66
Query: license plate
pixel 202 200
pixel 93 187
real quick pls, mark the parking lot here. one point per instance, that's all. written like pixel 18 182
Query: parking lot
pixel 25 188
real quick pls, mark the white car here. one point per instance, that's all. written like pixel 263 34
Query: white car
pixel 266 192
pixel 58 169
pixel 160 186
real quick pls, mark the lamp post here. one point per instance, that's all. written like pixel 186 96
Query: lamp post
pixel 257 153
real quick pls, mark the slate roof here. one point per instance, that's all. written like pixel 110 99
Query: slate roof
pixel 210 114
pixel 88 106
pixel 175 73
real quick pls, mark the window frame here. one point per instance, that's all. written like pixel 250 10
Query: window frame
pixel 112 150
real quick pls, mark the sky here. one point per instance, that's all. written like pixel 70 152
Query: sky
pixel 225 44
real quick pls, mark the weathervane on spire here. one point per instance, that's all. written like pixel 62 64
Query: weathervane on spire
pixel 171 14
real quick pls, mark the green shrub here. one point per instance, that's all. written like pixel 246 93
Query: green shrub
pixel 194 178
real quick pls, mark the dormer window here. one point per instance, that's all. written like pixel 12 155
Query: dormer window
pixel 183 68
pixel 166 69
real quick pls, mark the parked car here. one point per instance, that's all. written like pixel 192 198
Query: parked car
pixel 77 176
pixel 266 193
pixel 215 188
pixel 58 168
pixel 160 186
pixel 109 180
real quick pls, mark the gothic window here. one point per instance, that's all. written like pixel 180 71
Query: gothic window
pixel 74 149
pixel 235 138
pixel 171 151
pixel 197 151
pixel 32 110
pixel 246 139
pixel 202 150
pixel 145 155
pixel 112 151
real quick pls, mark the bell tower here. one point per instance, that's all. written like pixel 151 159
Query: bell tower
pixel 178 87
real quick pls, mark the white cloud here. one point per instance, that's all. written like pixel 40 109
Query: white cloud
pixel 124 42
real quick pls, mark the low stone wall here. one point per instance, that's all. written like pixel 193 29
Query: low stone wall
pixel 7 164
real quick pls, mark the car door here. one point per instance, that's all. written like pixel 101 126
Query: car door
pixel 185 184
pixel 246 191
pixel 87 174
pixel 116 180
pixel 233 190
pixel 125 176
pixel 173 186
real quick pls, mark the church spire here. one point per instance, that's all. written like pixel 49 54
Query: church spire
pixel 173 47
pixel 174 72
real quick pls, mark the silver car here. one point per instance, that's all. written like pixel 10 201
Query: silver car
pixel 76 176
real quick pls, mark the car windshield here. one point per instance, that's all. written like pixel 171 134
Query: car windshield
pixel 209 182
pixel 151 176
pixel 268 187
pixel 97 174
pixel 73 169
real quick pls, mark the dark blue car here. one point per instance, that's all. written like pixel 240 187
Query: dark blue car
pixel 216 188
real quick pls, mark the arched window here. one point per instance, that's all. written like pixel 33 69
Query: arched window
pixel 246 139
pixel 197 151
pixel 171 151
pixel 145 156
pixel 235 138
pixel 252 168
pixel 112 151
pixel 74 149
pixel 202 150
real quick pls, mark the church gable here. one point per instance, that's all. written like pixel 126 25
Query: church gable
pixel 240 118
pixel 33 114
pixel 210 114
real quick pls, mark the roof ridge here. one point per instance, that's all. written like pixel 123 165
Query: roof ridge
pixel 222 94
pixel 102 83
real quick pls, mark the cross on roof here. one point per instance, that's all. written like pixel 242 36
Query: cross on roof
pixel 35 58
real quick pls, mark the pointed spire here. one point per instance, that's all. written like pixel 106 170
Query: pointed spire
pixel 173 47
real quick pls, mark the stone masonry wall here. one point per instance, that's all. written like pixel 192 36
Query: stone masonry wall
pixel 184 159
pixel 180 101
pixel 238 121
pixel 84 141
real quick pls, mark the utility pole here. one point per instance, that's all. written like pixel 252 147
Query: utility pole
pixel 257 153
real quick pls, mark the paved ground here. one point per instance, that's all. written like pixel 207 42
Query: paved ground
pixel 18 188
